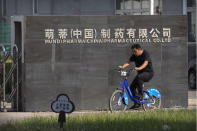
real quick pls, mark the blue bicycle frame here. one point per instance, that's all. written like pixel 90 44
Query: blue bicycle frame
pixel 148 94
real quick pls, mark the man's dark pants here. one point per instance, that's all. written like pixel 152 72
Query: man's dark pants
pixel 138 83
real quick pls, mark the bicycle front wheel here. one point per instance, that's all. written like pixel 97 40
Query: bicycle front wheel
pixel 115 103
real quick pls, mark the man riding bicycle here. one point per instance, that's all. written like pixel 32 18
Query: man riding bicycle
pixel 144 68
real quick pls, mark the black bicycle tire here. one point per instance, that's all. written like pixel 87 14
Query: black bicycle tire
pixel 158 107
pixel 110 106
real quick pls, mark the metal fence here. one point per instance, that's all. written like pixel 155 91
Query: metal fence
pixel 10 75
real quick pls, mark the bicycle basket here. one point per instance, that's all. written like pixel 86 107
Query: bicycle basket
pixel 123 73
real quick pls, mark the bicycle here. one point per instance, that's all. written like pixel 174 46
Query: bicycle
pixel 151 97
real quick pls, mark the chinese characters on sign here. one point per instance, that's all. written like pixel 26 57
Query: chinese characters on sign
pixel 106 35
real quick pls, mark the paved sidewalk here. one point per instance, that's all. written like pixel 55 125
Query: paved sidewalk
pixel 192 99
pixel 12 116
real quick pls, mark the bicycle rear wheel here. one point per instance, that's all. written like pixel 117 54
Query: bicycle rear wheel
pixel 115 103
pixel 152 106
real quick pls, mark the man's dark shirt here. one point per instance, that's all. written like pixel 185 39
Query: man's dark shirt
pixel 139 60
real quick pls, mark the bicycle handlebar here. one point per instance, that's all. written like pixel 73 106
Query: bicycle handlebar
pixel 124 72
pixel 127 70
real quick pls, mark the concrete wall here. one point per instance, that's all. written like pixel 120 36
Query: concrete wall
pixel 85 71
